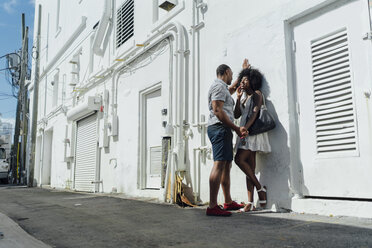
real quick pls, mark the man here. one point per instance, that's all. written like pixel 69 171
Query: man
pixel 220 123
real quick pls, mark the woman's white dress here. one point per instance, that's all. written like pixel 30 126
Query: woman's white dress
pixel 259 142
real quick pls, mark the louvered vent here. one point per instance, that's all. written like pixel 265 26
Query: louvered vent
pixel 125 22
pixel 334 105
pixel 155 160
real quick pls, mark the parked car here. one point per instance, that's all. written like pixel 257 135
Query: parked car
pixel 4 166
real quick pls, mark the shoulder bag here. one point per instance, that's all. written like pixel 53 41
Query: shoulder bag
pixel 264 122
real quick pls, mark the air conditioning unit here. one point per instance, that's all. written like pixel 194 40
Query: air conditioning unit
pixel 167 4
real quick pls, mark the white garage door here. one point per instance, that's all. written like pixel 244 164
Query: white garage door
pixel 86 154
pixel 333 78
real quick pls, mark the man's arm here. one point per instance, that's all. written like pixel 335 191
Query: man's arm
pixel 217 107
pixel 235 85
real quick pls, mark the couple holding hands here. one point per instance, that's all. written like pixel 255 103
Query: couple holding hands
pixel 222 112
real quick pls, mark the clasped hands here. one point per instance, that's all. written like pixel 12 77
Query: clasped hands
pixel 242 132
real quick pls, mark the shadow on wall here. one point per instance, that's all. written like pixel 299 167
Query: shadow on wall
pixel 274 167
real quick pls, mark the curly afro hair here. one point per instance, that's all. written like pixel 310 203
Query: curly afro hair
pixel 254 76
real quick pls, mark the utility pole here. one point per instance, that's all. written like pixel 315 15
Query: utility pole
pixel 24 111
pixel 21 92
pixel 35 103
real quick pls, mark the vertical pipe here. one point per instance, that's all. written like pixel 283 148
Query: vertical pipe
pixel 370 13
pixel 198 179
pixel 193 63
pixel 194 177
pixel 155 11
pixel 181 100
pixel 197 70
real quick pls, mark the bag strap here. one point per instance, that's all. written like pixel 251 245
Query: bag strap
pixel 263 97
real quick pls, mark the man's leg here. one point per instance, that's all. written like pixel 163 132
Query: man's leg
pixel 225 182
pixel 214 182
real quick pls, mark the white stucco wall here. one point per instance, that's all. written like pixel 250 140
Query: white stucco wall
pixel 233 30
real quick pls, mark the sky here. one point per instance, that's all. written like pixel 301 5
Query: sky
pixel 11 41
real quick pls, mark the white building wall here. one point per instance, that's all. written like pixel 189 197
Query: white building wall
pixel 233 30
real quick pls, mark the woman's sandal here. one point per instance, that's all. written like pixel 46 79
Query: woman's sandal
pixel 262 202
pixel 242 210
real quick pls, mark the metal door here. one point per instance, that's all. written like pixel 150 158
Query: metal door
pixel 86 154
pixel 153 105
pixel 333 80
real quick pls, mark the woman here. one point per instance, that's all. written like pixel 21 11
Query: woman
pixel 248 109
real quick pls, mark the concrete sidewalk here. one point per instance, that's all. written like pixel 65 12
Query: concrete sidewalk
pixel 13 236
pixel 69 219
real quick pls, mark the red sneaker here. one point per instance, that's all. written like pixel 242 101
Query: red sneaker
pixel 232 206
pixel 217 211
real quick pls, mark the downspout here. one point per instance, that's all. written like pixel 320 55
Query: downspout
pixel 102 28
pixel 196 26
pixel 193 62
pixel 181 53
pixel 200 151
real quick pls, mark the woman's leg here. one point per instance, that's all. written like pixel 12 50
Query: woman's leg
pixel 250 185
pixel 241 159
pixel 252 163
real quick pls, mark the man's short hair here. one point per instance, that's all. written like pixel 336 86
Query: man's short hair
pixel 221 69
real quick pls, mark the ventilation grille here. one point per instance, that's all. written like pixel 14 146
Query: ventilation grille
pixel 155 160
pixel 333 97
pixel 125 23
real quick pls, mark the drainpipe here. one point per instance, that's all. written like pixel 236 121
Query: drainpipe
pixel 196 26
pixel 200 151
pixel 101 31
pixel 181 102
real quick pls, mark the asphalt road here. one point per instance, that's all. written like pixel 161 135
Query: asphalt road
pixel 65 219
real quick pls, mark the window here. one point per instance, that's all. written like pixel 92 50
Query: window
pixel 124 22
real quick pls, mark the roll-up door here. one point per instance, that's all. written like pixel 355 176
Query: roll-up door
pixel 86 154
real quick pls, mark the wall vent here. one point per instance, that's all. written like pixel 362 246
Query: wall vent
pixel 155 160
pixel 333 95
pixel 124 22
